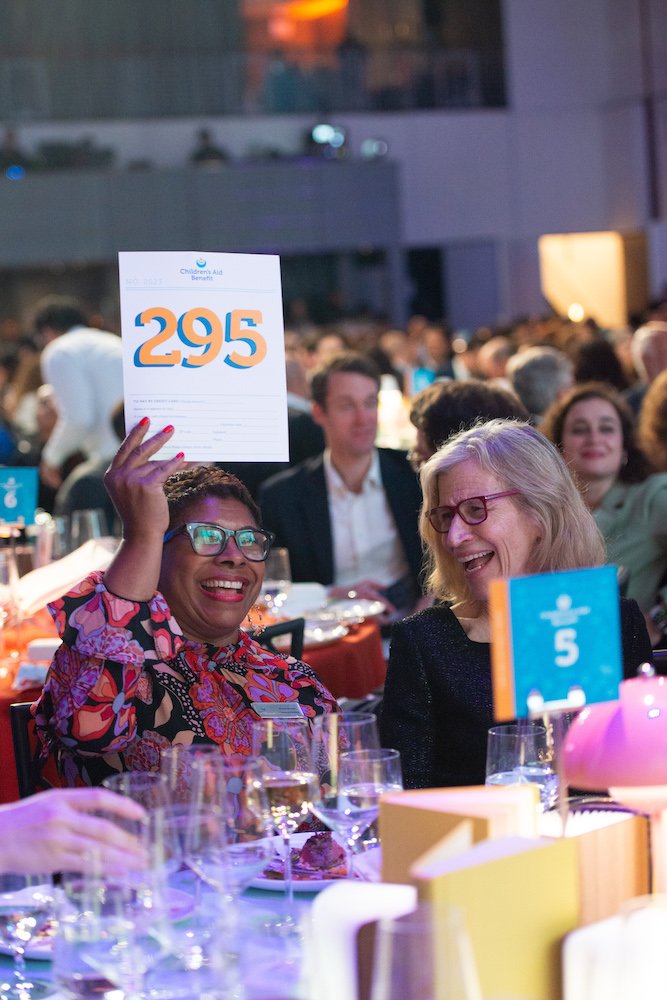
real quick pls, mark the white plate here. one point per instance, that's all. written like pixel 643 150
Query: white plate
pixel 181 905
pixel 302 599
pixel 355 609
pixel 298 885
pixel 316 633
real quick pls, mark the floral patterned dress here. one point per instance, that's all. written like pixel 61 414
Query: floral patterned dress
pixel 125 683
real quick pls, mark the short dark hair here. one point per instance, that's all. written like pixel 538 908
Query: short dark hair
pixel 186 488
pixel 637 467
pixel 60 312
pixel 346 362
pixel 445 408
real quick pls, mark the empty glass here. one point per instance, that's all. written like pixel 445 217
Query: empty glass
pixel 277 578
pixel 423 955
pixel 86 524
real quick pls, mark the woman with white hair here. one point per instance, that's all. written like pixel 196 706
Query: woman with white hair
pixel 498 501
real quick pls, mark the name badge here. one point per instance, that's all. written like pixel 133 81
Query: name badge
pixel 278 709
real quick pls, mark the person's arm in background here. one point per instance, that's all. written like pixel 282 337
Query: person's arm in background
pixel 76 408
pixel 59 831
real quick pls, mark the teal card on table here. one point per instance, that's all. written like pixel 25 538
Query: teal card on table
pixel 18 495
pixel 556 641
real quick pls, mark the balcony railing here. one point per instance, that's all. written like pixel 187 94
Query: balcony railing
pixel 350 78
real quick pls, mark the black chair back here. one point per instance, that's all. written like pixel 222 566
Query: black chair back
pixel 28 773
pixel 294 628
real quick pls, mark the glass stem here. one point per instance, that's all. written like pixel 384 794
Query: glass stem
pixel 19 965
pixel 349 857
pixel 287 872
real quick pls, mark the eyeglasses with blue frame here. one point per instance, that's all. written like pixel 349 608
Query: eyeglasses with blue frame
pixel 209 539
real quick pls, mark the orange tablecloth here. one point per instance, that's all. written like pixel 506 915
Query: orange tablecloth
pixel 352 666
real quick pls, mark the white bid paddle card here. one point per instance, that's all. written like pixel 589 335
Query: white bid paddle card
pixel 203 349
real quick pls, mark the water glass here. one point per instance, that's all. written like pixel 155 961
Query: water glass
pixel 149 788
pixel 422 955
pixel 334 735
pixel 520 753
pixel 26 908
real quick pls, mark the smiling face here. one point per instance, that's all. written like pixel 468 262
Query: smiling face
pixel 210 596
pixel 502 545
pixel 593 440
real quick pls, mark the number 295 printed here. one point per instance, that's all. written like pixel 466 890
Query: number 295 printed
pixel 202 331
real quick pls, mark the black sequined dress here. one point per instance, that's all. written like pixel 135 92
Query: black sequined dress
pixel 437 704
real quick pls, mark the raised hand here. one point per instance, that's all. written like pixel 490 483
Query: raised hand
pixel 136 486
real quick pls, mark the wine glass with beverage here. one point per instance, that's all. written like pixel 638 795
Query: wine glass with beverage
pixel 283 747
pixel 335 734
pixel 520 753
pixel 26 911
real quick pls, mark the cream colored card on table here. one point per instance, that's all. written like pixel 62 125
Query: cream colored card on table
pixel 203 350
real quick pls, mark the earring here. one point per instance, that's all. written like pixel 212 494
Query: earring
pixel 259 626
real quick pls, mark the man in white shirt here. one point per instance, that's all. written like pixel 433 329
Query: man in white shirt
pixel 84 367
pixel 349 516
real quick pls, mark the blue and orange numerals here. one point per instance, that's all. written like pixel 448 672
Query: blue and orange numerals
pixel 200 328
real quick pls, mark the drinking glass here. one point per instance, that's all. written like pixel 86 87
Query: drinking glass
pixel 365 775
pixel 191 786
pixel 26 908
pixel 283 747
pixel 519 753
pixel 335 734
pixel 422 955
pixel 248 825
pixel 277 579
pixel 86 524
pixel 149 788
pixel 111 931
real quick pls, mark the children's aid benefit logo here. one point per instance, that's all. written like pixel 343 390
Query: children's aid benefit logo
pixel 200 272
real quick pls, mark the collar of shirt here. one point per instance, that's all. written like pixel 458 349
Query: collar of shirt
pixel 336 484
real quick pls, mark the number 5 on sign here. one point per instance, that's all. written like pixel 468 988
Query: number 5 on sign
pixel 200 328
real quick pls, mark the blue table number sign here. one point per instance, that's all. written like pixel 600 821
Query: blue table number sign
pixel 556 641
pixel 18 495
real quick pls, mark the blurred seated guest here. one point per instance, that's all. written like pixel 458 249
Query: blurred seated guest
pixel 596 361
pixel 70 830
pixel 437 350
pixel 84 489
pixel 153 651
pixel 349 516
pixel 539 375
pixel 493 357
pixel 594 429
pixel 445 408
pixel 206 153
pixel 498 502
pixel 649 355
pixel 84 367
pixel 20 399
pixel 652 425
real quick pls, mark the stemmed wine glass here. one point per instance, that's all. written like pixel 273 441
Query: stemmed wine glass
pixel 26 907
pixel 335 734
pixel 365 775
pixel 283 747
pixel 277 578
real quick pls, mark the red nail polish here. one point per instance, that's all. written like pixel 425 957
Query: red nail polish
pixel 181 454
pixel 144 421
pixel 168 429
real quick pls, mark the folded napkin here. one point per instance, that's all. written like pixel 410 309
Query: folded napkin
pixel 37 588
